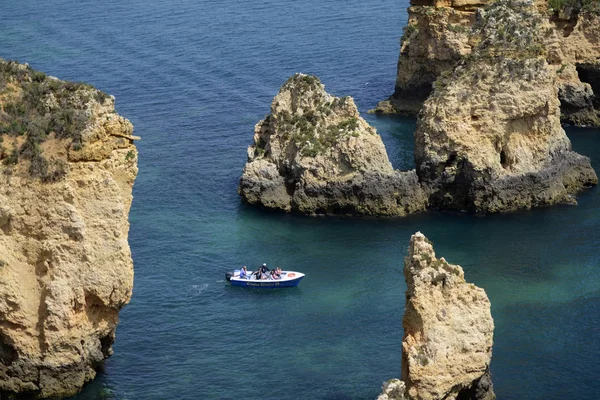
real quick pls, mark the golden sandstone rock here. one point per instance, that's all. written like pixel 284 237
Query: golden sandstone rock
pixel 314 154
pixel 489 137
pixel 448 332
pixel 65 264
pixel 439 34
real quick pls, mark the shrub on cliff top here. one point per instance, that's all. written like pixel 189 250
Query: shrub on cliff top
pixel 508 44
pixel 509 29
pixel 591 6
pixel 34 106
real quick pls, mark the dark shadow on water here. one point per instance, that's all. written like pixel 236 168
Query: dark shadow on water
pixel 97 389
pixel 281 293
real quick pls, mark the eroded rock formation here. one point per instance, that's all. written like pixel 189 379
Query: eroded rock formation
pixel 314 154
pixel 489 137
pixel 574 51
pixel 448 332
pixel 439 35
pixel 435 38
pixel 67 171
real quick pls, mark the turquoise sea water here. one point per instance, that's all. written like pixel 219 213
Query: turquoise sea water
pixel 194 77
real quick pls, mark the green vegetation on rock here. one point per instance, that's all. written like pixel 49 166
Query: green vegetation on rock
pixel 591 6
pixel 312 137
pixel 34 106
pixel 408 31
pixel 508 36
pixel 510 29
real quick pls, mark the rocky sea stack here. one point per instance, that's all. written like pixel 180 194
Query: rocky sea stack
pixel 67 168
pixel 435 38
pixel 448 332
pixel 489 137
pixel 439 35
pixel 314 154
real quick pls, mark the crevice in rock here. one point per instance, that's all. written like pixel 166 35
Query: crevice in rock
pixel 503 159
pixel 8 354
pixel 40 326
pixel 566 25
pixel 480 389
pixel 590 73
pixel 106 343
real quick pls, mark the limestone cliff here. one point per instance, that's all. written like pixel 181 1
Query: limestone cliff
pixel 439 35
pixel 67 171
pixel 448 332
pixel 489 137
pixel 435 38
pixel 573 45
pixel 314 154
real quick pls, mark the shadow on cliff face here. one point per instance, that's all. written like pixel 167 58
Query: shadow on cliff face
pixel 590 73
pixel 8 354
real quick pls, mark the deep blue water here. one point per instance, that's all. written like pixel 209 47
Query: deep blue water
pixel 194 77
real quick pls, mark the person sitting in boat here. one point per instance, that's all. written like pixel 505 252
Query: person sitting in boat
pixel 273 274
pixel 244 273
pixel 276 273
pixel 263 271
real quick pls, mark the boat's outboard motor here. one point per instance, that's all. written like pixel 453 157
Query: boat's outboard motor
pixel 228 276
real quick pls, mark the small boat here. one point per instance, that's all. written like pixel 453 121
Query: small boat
pixel 288 279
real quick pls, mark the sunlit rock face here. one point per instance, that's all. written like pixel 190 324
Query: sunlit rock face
pixel 439 34
pixel 489 137
pixel 448 332
pixel 67 171
pixel 314 154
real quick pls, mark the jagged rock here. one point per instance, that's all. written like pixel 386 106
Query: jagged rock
pixel 577 102
pixel 573 46
pixel 314 154
pixel 438 36
pixel 66 270
pixel 394 389
pixel 489 137
pixel 448 331
pixel 435 39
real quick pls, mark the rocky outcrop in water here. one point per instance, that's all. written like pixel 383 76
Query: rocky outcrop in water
pixel 448 332
pixel 435 39
pixel 489 137
pixel 439 35
pixel 67 171
pixel 574 50
pixel 314 154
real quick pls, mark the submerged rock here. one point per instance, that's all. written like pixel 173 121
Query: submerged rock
pixel 489 137
pixel 68 167
pixel 314 154
pixel 448 331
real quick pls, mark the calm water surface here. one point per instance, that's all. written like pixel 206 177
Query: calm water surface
pixel 194 77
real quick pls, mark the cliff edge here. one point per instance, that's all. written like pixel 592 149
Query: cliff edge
pixel 439 34
pixel 448 332
pixel 489 137
pixel 68 164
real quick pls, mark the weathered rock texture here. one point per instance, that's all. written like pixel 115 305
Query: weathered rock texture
pixel 394 389
pixel 68 167
pixel 435 39
pixel 574 50
pixel 448 332
pixel 489 137
pixel 438 36
pixel 314 154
